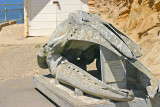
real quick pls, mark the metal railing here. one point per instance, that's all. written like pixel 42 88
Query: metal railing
pixel 5 10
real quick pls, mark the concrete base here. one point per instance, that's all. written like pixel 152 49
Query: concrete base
pixel 64 96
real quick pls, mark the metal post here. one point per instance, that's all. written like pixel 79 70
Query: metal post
pixel 5 12
pixel 21 12
pixel 27 19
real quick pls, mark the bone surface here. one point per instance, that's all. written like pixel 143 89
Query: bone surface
pixel 75 43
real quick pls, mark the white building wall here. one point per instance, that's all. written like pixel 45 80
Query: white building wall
pixel 44 16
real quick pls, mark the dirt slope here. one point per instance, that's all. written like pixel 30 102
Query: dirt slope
pixel 139 20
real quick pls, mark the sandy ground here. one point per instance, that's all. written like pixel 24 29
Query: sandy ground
pixel 14 35
pixel 18 64
pixel 18 53
pixel 20 92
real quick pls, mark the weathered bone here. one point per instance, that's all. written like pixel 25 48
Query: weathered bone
pixel 71 74
pixel 79 37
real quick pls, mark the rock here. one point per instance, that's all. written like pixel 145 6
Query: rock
pixel 159 36
pixel 12 22
pixel 4 24
pixel 0 27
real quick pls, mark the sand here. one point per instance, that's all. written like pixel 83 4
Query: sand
pixel 138 19
pixel 18 64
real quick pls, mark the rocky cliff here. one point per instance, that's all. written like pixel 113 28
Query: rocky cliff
pixel 138 19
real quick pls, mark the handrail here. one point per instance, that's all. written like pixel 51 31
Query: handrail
pixel 11 20
pixel 11 10
pixel 13 4
pixel 5 10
